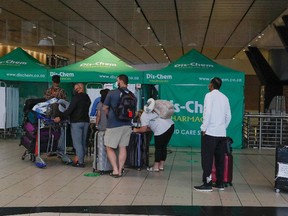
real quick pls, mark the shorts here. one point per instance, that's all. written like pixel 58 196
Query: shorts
pixel 118 136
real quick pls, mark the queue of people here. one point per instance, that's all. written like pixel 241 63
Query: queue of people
pixel 216 118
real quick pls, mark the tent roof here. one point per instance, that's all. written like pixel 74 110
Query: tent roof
pixel 103 66
pixel 18 65
pixel 193 68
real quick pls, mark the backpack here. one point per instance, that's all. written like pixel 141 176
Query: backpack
pixel 164 108
pixel 126 107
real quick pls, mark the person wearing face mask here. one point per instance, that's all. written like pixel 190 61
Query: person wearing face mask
pixel 118 132
pixel 78 113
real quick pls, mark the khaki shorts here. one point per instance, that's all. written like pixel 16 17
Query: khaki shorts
pixel 118 136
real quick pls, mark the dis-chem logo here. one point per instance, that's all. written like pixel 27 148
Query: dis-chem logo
pixel 12 62
pixel 98 64
pixel 194 65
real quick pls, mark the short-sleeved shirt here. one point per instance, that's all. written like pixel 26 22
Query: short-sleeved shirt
pixel 55 92
pixel 155 123
pixel 111 101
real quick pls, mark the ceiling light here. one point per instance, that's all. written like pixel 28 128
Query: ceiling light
pixel 46 42
pixel 148 27
pixel 34 26
pixel 89 42
pixel 138 9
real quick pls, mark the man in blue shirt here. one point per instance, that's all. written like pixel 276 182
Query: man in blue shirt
pixel 118 131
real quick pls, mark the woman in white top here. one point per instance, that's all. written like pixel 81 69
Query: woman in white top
pixel 163 130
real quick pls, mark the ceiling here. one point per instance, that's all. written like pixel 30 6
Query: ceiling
pixel 219 29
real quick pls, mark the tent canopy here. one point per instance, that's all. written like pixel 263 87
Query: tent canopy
pixel 185 83
pixel 193 67
pixel 18 65
pixel 103 66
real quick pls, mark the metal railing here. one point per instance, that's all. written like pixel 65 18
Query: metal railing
pixel 265 130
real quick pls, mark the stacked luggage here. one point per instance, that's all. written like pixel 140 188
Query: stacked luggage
pixel 281 168
pixel 35 135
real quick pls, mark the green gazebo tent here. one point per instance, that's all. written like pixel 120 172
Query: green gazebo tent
pixel 103 66
pixel 18 65
pixel 185 82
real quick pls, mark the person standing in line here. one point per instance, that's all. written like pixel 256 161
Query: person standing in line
pixel 78 111
pixel 163 130
pixel 216 118
pixel 118 132
pixel 55 91
pixel 101 118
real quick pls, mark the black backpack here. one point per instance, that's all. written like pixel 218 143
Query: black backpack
pixel 126 107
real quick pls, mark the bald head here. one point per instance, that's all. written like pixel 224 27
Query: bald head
pixel 79 87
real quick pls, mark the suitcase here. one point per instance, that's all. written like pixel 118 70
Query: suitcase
pixel 228 170
pixel 137 151
pixel 28 143
pixel 281 167
pixel 31 102
pixel 101 162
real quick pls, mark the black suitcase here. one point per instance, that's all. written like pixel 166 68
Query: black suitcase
pixel 281 175
pixel 137 151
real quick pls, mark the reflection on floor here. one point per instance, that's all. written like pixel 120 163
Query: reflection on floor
pixel 60 189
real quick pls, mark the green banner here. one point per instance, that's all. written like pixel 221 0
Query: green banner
pixel 103 66
pixel 188 103
pixel 18 65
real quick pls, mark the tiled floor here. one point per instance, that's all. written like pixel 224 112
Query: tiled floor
pixel 24 188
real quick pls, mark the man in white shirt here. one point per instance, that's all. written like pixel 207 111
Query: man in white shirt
pixel 216 118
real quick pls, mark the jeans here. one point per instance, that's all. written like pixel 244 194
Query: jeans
pixel 61 143
pixel 79 136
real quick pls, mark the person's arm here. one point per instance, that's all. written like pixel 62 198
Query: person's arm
pixel 98 117
pixel 228 115
pixel 105 109
pixel 142 129
pixel 206 114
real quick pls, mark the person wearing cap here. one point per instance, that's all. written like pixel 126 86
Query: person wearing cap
pixel 55 91
pixel 216 118
pixel 163 130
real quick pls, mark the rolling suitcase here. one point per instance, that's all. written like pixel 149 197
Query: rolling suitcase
pixel 137 151
pixel 228 170
pixel 281 167
pixel 101 162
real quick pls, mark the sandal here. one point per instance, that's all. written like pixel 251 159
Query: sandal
pixel 151 169
pixel 115 175
pixel 161 169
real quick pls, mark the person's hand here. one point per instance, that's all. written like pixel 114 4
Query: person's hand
pixel 57 119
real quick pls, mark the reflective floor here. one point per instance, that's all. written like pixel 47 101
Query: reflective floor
pixel 60 189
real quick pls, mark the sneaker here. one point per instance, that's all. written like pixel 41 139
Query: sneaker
pixel 220 187
pixel 81 165
pixel 204 188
